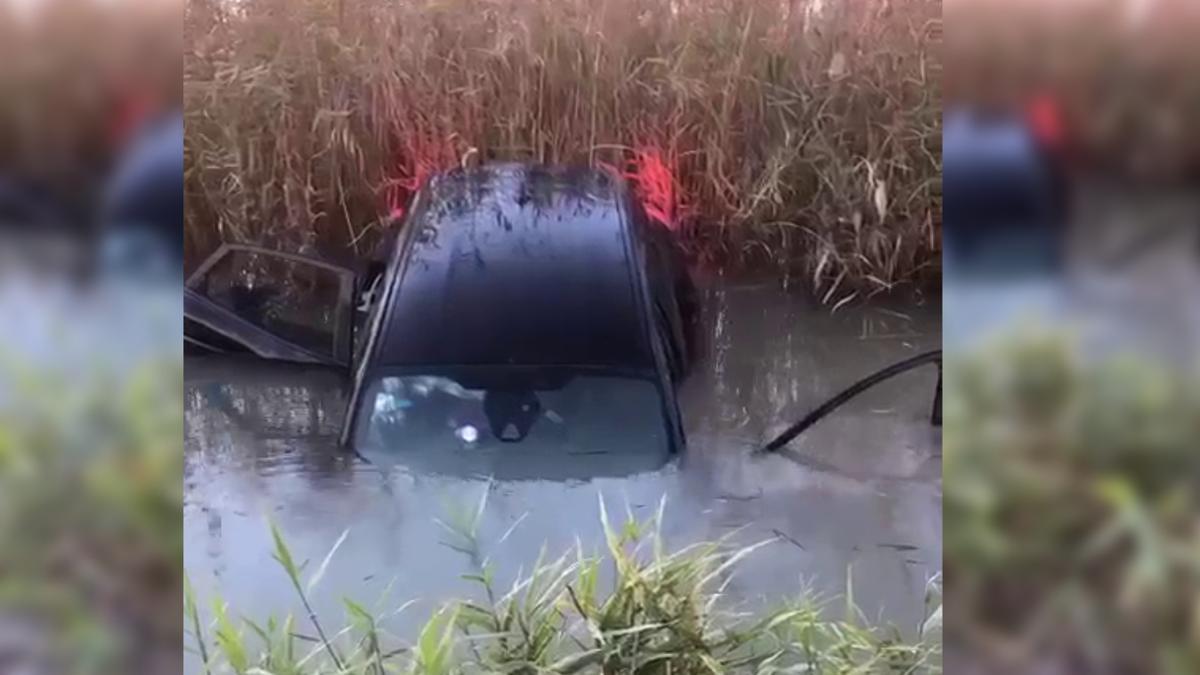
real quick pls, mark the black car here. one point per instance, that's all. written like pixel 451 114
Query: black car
pixel 518 305
pixel 1005 196
pixel 141 208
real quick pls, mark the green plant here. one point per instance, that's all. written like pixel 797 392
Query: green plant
pixel 1070 510
pixel 659 613
pixel 90 512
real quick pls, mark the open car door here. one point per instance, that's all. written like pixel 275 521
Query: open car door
pixel 283 306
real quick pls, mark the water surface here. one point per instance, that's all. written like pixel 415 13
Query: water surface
pixel 859 495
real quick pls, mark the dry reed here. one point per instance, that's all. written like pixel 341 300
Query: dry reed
pixel 775 131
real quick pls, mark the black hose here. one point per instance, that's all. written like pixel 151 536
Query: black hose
pixel 857 388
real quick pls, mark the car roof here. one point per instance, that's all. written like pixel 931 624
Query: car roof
pixel 518 264
pixel 994 171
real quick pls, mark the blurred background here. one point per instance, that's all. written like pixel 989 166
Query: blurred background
pixel 1072 326
pixel 91 206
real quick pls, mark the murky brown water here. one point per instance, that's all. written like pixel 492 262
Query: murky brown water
pixel 59 326
pixel 1131 282
pixel 860 495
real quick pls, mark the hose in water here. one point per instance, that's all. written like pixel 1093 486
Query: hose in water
pixel 857 388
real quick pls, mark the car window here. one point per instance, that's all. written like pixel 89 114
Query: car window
pixel 590 415
pixel 301 302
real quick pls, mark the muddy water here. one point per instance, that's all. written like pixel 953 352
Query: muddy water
pixel 1130 282
pixel 55 325
pixel 858 496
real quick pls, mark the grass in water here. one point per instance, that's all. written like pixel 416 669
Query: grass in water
pixel 1070 513
pixel 661 612
pixel 90 517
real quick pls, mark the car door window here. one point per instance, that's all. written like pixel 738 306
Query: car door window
pixel 305 302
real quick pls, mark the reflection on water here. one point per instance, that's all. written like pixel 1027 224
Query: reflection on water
pixel 860 493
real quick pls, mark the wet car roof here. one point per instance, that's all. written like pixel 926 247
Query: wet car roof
pixel 516 264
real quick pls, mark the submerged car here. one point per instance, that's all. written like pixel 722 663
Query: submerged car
pixel 142 205
pixel 520 307
pixel 1005 196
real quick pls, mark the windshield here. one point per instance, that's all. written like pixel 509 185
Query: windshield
pixel 417 417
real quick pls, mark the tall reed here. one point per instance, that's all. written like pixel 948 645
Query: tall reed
pixel 1123 71
pixel 761 130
